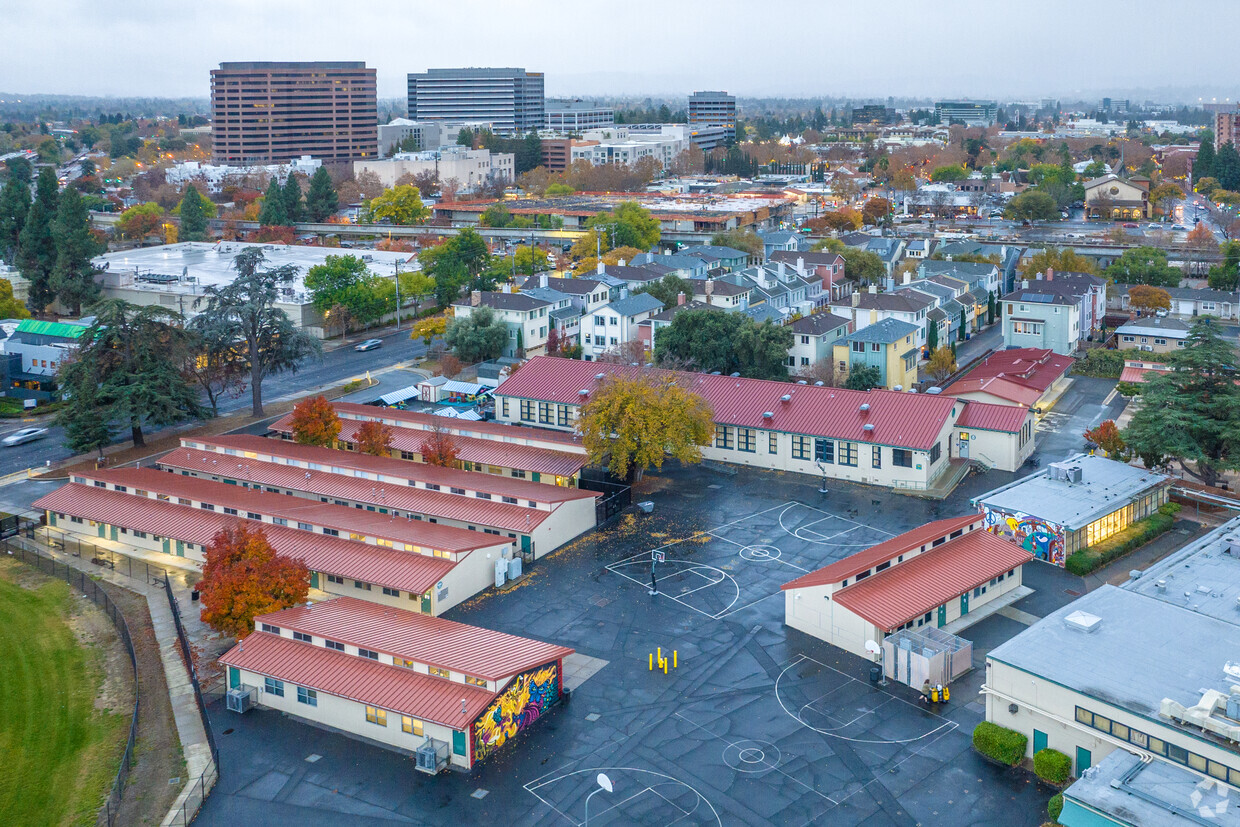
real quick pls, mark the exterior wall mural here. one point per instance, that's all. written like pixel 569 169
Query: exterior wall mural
pixel 528 697
pixel 1044 540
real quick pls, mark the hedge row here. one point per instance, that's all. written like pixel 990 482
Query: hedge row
pixel 1100 362
pixel 1052 765
pixel 1091 558
pixel 1000 743
pixel 1054 807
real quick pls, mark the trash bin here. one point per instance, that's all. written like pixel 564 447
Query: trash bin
pixel 876 674
pixel 646 506
pixel 193 595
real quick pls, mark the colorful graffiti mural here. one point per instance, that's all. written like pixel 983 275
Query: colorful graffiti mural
pixel 1044 540
pixel 528 697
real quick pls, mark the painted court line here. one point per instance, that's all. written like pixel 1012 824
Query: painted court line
pixel 537 784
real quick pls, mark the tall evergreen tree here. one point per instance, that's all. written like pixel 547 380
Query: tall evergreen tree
pixel 36 247
pixel 321 199
pixel 88 427
pixel 273 213
pixel 292 199
pixel 1203 166
pixel 73 274
pixel 193 216
pixel 1227 167
pixel 14 205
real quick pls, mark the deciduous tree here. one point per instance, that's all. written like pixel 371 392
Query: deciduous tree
pixel 427 329
pixel 1032 205
pixel 1061 260
pixel 1148 299
pixel 374 438
pixel 633 422
pixel 864 377
pixel 477 337
pixel 347 281
pixel 439 448
pixel 745 240
pixel 710 340
pixel 400 205
pixel 244 577
pixel 942 364
pixel 1144 265
pixel 10 307
pixel 315 422
pixel 1107 437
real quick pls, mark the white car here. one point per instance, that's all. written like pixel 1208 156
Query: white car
pixel 369 344
pixel 23 435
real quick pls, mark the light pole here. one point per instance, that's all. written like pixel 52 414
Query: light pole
pixel 397 265
pixel 604 785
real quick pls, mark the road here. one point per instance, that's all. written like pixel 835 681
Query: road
pixel 1088 402
pixel 336 367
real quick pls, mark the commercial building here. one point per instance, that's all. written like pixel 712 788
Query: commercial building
pixel 1073 504
pixel 426 134
pixel 445 693
pixel 537 518
pixel 35 351
pixel 890 345
pixel 1025 377
pixel 1225 128
pixel 928 577
pixel 176 275
pixel 712 109
pixel 269 112
pixel 1112 198
pixel 510 99
pixel 626 145
pixel 214 177
pixel 878 437
pixel 1153 334
pixel 873 113
pixel 470 168
pixel 969 113
pixel 578 116
pixel 1142 675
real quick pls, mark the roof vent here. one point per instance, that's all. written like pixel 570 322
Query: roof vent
pixel 1161 585
pixel 599 376
pixel 583 392
pixel 1083 621
pixel 819 384
pixel 865 406
pixel 869 426
pixel 787 397
pixel 768 414
pixel 735 375
pixel 802 382
pixel 716 373
pixel 898 388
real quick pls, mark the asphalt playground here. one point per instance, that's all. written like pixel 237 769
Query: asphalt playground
pixel 756 724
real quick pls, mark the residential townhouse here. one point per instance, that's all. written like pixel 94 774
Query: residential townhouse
pixel 921 248
pixel 527 318
pixel 1009 257
pixel 889 250
pixel 721 292
pixel 563 317
pixel 1055 310
pixel 1186 302
pixel 780 287
pixel 585 292
pixel 946 311
pixel 685 266
pixel 725 259
pixel 889 345
pixel 869 307
pixel 615 324
pixel 814 339
pixel 782 240
pixel 1153 334
pixel 828 267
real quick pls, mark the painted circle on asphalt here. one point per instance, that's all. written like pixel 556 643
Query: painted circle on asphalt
pixel 752 756
pixel 759 553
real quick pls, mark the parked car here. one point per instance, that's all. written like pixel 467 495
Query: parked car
pixel 1129 226
pixel 369 344
pixel 1180 228
pixel 23 435
pixel 926 215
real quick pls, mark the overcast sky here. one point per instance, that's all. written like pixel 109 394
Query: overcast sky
pixel 860 48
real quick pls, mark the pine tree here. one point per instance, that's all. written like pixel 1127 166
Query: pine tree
pixel 73 275
pixel 960 333
pixel 321 199
pixel 87 425
pixel 193 216
pixel 273 213
pixel 1203 166
pixel 14 205
pixel 1227 167
pixel 932 336
pixel 292 199
pixel 37 248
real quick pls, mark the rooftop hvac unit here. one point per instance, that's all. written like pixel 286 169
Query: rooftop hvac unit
pixel 240 699
pixel 1074 473
pixel 432 756
pixel 514 568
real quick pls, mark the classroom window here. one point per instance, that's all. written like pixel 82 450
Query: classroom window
pixel 800 447
pixel 358 584
pixel 267 627
pixel 772 443
pixel 232 511
pixel 848 453
pixel 561 416
pixel 303 637
pixel 437 672
pixel 331 532
pixel 410 725
pixel 391 592
pixel 335 578
pixel 824 451
pixel 527 410
pixel 545 411
pixel 877 456
pixel 723 436
pixel 334 644
pixel 274 687
pixel 402 662
pixel 745 440
pixel 309 697
pixel 376 716
pixel 472 681
pixel 370 654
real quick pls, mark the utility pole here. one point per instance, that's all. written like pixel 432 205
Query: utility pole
pixel 397 264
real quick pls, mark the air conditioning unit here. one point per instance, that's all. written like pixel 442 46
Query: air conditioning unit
pixel 432 756
pixel 240 699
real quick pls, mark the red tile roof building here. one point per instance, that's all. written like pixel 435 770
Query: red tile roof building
pixel 1021 376
pixel 928 577
pixel 404 680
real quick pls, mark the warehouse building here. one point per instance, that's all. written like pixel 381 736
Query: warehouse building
pixel 537 518
pixel 447 694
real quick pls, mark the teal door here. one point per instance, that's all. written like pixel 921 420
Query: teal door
pixel 51 518
pixel 234 677
pixel 964 604
pixel 426 603
pixel 314 579
pixel 180 549
pixel 103 530
pixel 942 615
pixel 525 544
pixel 1039 741
pixel 458 742
pixel 1084 760
pixel 114 534
pixel 535 476
pixel 167 546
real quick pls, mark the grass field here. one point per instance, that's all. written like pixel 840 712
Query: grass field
pixel 58 754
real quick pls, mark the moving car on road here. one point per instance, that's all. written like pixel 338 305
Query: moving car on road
pixel 23 435
pixel 369 344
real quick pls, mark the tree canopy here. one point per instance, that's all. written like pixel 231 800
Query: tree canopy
pixel 193 215
pixel 274 212
pixel 1144 265
pixel 244 577
pixel 456 263
pixel 668 289
pixel 1062 260
pixel 347 281
pixel 1032 205
pixel 635 422
pixel 477 337
pixel 1148 299
pixel 37 244
pixel 710 340
pixel 864 377
pixel 949 172
pixel 739 239
pixel 629 225
pixel 73 274
pixel 400 205
pixel 321 198
pixel 314 422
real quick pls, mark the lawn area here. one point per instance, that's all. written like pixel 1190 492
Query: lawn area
pixel 60 754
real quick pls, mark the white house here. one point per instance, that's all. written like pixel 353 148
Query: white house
pixel 527 318
pixel 614 324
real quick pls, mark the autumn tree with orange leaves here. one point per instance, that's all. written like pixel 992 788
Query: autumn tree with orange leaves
pixel 374 438
pixel 315 422
pixel 1107 437
pixel 244 576
pixel 439 448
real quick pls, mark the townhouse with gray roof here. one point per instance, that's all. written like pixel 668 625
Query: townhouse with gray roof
pixel 870 307
pixel 814 338
pixel 615 324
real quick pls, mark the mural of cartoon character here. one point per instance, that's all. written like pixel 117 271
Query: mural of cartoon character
pixel 525 700
pixel 1042 539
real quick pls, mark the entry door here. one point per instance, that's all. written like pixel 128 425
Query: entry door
pixel 180 549
pixel 426 603
pixel 458 742
pixel 535 476
pixel 525 545
pixel 103 530
pixel 234 677
pixel 1084 760
pixel 114 533
pixel 964 604
pixel 942 615
pixel 1039 741
pixel 167 546
pixel 314 579
pixel 51 518
pixel 964 449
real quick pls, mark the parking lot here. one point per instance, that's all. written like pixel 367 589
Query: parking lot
pixel 756 724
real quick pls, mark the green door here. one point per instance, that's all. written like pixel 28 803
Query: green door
pixel 180 549
pixel 167 546
pixel 964 604
pixel 942 615
pixel 314 579
pixel 1084 760
pixel 426 603
pixel 234 677
pixel 114 534
pixel 458 742
pixel 51 518
pixel 525 544
pixel 1039 741
pixel 103 530
pixel 535 476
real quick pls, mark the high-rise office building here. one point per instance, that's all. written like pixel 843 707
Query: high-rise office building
pixel 969 113
pixel 510 99
pixel 712 109
pixel 578 116
pixel 268 112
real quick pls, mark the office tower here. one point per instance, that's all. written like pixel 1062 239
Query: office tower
pixel 511 99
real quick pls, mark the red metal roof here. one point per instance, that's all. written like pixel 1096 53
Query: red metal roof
pixel 359 679
pixel 1034 369
pixel 921 584
pixel 378 565
pixel 469 449
pixel 999 387
pixel 1137 375
pixel 1007 418
pixel 904 420
pixel 340 517
pixel 404 498
pixel 397 468
pixel 887 550
pixel 483 653
pixel 483 430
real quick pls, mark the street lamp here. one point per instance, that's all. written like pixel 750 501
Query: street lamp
pixel 604 785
